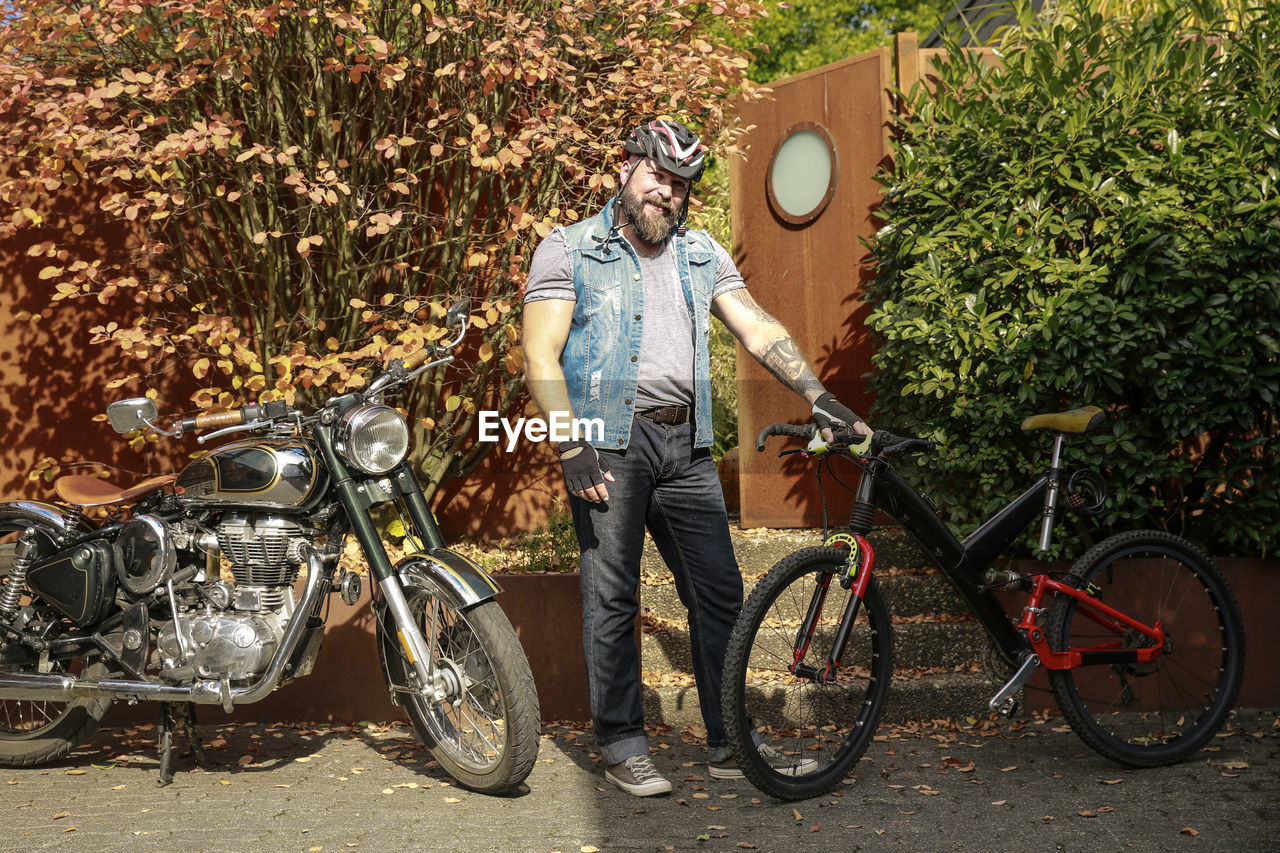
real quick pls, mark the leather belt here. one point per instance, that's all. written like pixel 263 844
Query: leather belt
pixel 674 415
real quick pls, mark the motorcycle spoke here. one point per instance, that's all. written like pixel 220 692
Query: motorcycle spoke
pixel 29 715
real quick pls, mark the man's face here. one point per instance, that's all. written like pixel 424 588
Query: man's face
pixel 653 199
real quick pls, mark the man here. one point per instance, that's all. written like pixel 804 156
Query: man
pixel 616 323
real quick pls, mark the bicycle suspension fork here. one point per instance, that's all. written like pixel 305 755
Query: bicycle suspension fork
pixel 855 576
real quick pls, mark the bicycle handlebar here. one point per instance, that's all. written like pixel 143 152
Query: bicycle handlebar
pixel 883 442
pixel 794 430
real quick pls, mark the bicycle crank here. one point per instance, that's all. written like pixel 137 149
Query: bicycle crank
pixel 1005 702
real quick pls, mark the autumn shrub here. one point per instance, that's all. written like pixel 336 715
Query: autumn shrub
pixel 311 183
pixel 1093 220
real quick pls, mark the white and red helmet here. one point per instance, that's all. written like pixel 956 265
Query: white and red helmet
pixel 671 145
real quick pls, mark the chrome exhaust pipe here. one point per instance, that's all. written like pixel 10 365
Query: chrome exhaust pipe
pixel 59 687
pixel 36 686
pixel 56 687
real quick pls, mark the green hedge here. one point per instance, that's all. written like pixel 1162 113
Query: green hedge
pixel 1094 221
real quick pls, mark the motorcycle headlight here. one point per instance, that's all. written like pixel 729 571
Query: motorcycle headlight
pixel 374 438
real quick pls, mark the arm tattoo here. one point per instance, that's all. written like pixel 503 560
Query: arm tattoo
pixel 784 360
pixel 743 297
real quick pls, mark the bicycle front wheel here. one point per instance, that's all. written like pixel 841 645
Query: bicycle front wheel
pixel 797 726
pixel 1149 714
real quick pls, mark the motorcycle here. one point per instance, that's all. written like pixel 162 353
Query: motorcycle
pixel 139 608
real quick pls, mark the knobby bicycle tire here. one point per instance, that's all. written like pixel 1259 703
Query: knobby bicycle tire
pixel 797 737
pixel 1147 715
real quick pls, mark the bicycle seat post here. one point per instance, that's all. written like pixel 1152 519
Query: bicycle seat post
pixel 1051 494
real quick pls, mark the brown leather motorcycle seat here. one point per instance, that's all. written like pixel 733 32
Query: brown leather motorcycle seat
pixel 79 490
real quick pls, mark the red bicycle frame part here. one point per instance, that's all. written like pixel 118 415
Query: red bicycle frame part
pixel 861 576
pixel 1103 615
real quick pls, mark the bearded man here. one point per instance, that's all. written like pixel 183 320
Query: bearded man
pixel 616 324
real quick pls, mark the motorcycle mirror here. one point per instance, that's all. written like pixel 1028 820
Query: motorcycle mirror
pixel 131 414
pixel 457 313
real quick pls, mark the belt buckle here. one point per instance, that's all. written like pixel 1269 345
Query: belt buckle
pixel 670 415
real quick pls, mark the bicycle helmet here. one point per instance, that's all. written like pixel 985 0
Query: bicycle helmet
pixel 671 145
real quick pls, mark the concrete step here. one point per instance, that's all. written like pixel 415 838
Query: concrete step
pixel 953 694
pixel 938 644
pixel 906 595
pixel 759 549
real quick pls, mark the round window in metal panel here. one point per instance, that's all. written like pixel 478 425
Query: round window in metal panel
pixel 803 173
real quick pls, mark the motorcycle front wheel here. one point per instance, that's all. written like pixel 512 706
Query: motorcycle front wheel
pixel 485 732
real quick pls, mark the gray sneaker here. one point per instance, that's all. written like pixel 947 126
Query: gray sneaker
pixel 787 765
pixel 637 776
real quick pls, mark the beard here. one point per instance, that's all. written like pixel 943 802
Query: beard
pixel 650 226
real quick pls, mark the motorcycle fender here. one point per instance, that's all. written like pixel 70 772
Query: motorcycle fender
pixel 445 573
pixel 38 511
pixel 455 575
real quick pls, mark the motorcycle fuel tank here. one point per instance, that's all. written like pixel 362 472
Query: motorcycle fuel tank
pixel 257 473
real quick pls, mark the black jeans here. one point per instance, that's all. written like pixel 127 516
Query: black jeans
pixel 661 483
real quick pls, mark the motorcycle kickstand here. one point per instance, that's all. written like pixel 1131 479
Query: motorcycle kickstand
pixel 172 715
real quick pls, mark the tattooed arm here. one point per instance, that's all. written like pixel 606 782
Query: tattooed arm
pixel 772 345
pixel 768 341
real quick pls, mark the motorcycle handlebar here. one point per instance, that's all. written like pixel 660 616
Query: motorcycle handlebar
pixel 272 410
pixel 419 358
pixel 213 420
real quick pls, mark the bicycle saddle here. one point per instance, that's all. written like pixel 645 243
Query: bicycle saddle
pixel 79 490
pixel 1076 421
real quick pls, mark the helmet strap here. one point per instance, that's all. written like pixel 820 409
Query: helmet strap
pixel 618 224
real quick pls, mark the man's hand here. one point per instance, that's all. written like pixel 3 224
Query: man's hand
pixel 831 414
pixel 585 471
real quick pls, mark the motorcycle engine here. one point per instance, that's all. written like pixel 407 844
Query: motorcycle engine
pixel 231 630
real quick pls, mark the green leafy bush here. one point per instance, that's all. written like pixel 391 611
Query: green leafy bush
pixel 1092 219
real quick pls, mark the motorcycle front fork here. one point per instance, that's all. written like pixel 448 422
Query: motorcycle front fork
pixel 437 683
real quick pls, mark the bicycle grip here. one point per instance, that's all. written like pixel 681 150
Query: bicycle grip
pixel 794 430
pixel 886 444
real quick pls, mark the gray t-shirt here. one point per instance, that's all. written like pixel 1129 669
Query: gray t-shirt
pixel 666 350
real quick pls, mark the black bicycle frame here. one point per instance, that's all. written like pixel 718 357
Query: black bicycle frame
pixel 964 563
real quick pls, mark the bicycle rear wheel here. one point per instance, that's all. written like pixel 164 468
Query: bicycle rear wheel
pixel 1149 714
pixel 796 735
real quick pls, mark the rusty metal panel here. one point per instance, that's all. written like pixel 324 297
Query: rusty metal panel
pixel 808 276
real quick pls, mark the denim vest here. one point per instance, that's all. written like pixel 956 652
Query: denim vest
pixel 601 358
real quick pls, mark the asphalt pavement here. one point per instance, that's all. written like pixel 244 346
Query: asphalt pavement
pixel 1026 785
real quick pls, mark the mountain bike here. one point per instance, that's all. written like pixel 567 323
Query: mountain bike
pixel 1142 639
